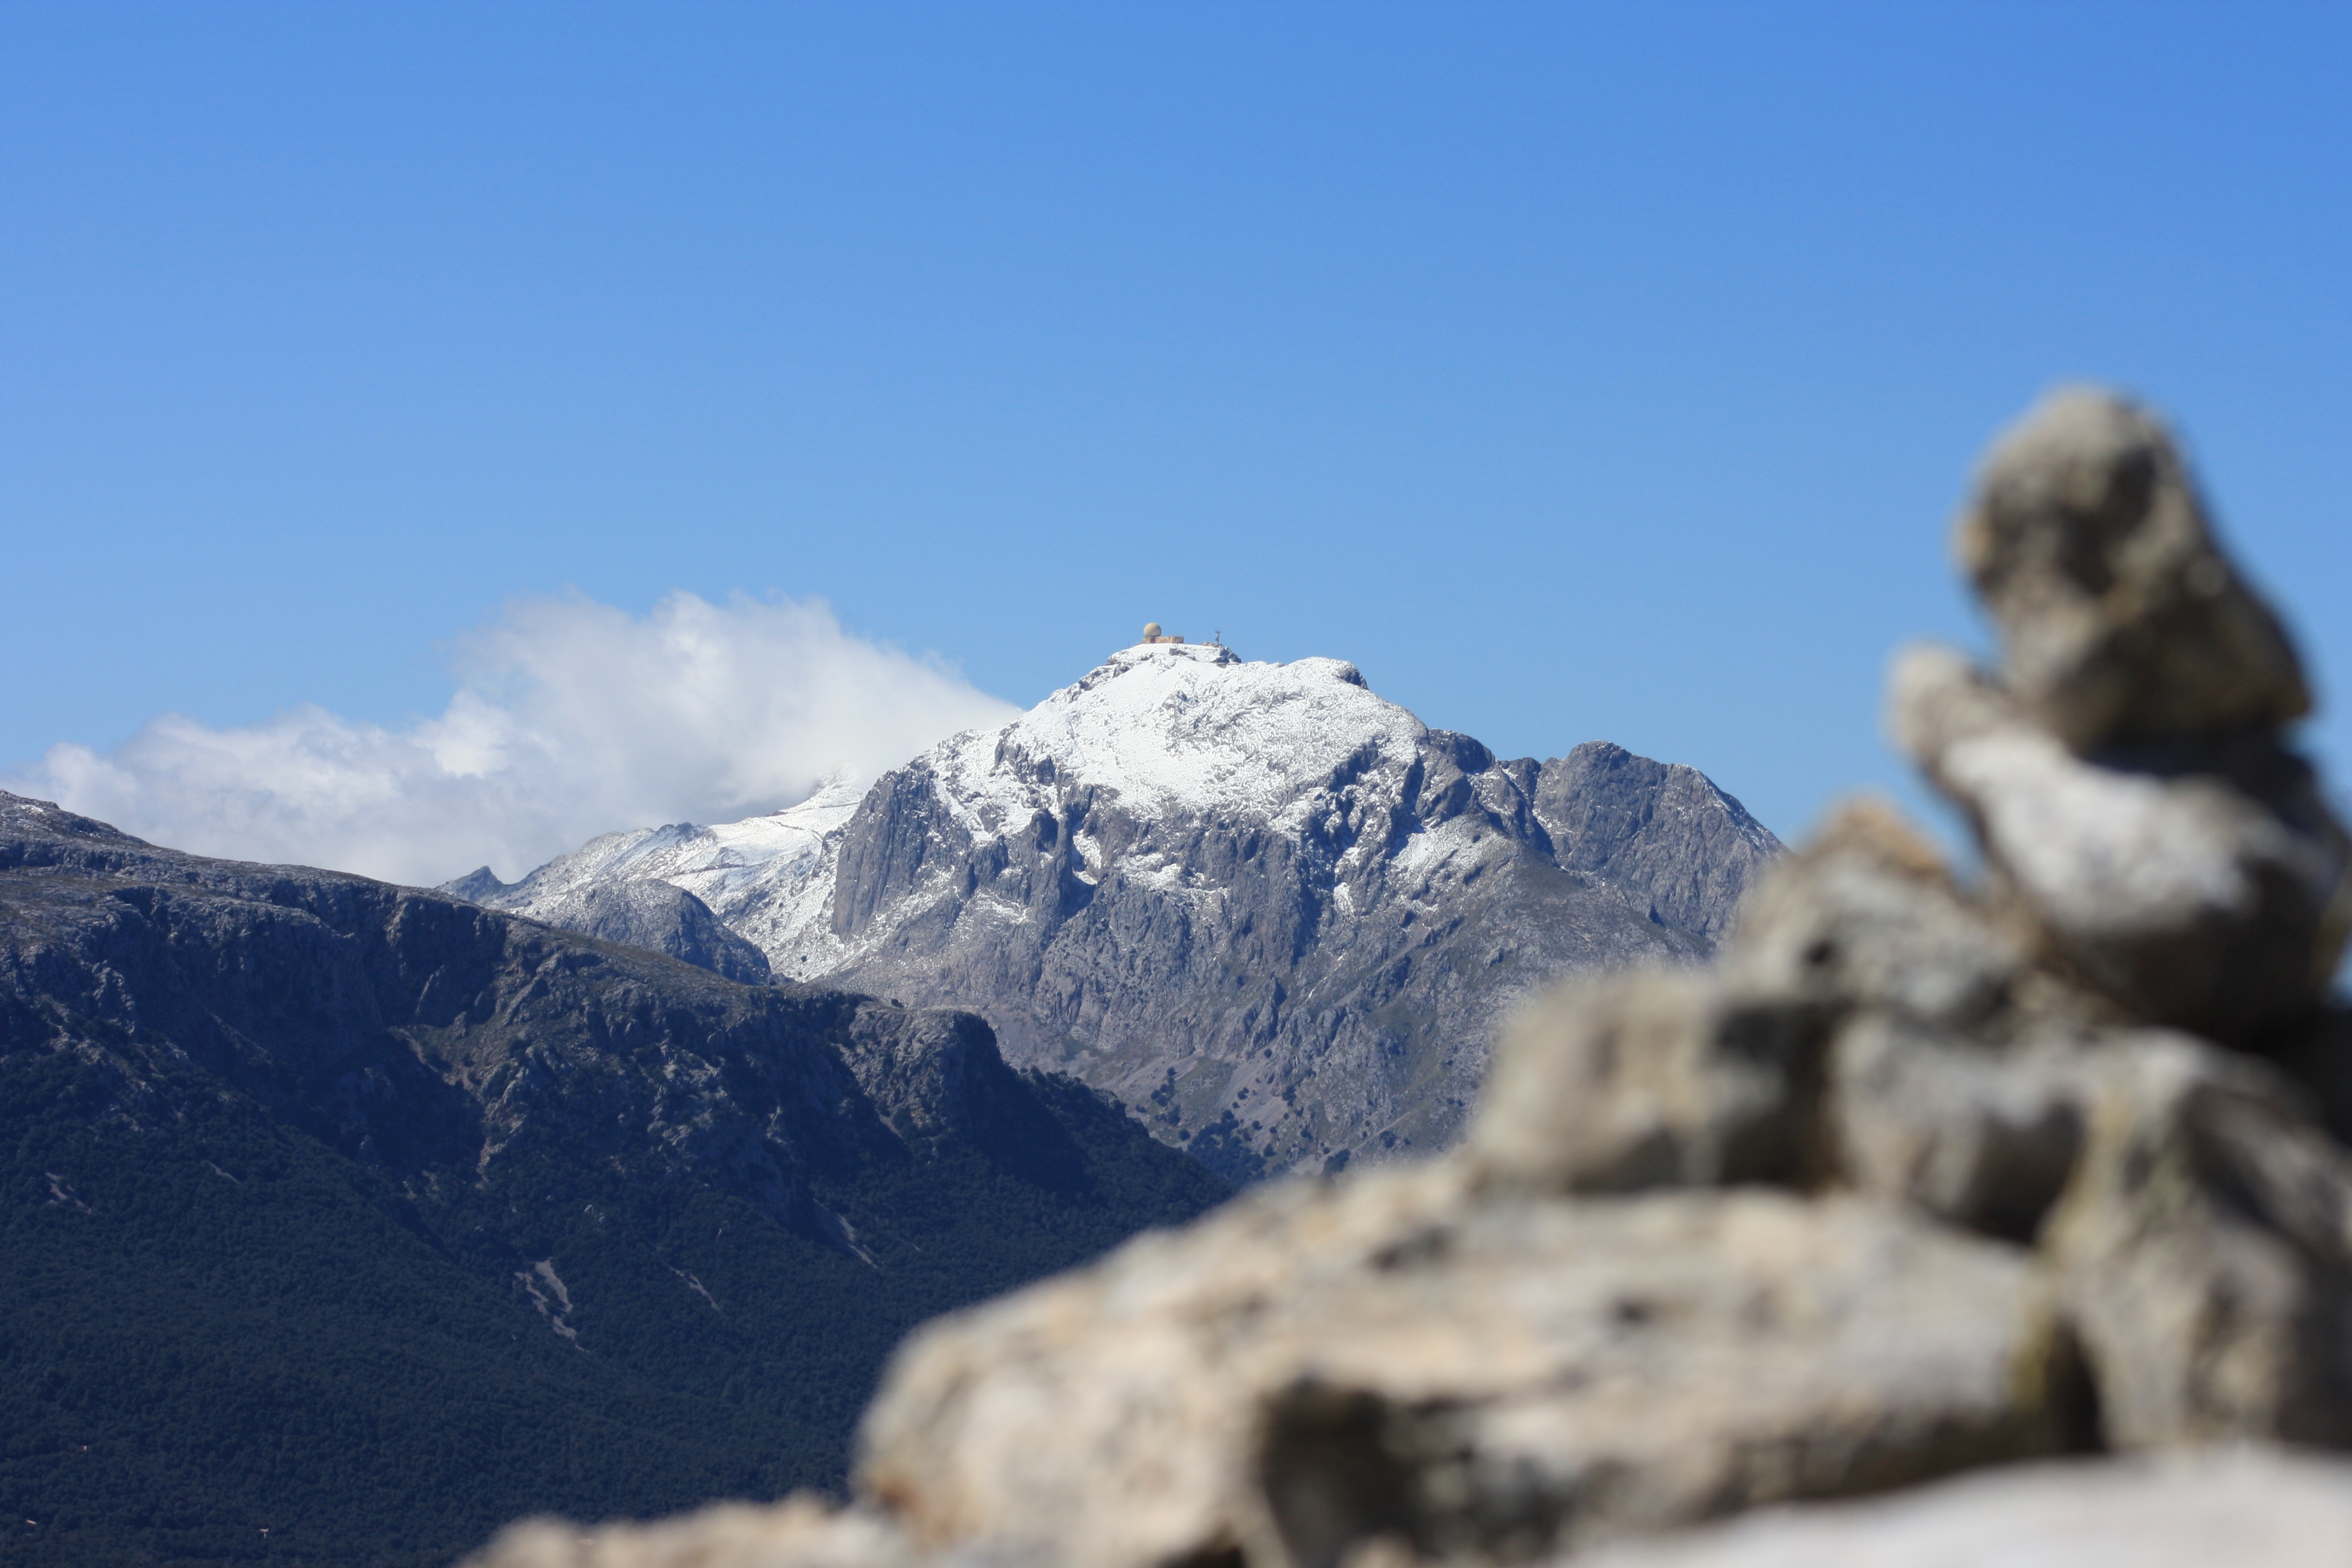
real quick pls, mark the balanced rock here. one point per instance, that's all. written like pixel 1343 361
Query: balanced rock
pixel 2122 621
pixel 1866 916
pixel 2202 888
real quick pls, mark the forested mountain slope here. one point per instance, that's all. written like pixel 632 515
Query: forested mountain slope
pixel 344 1221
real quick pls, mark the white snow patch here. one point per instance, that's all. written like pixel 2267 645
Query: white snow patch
pixel 1161 873
pixel 1427 852
pixel 1186 729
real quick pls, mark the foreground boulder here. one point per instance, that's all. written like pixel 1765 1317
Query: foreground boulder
pixel 1317 1366
pixel 799 1532
pixel 2206 1247
pixel 1643 1081
pixel 1919 1177
pixel 2242 1507
pixel 2198 885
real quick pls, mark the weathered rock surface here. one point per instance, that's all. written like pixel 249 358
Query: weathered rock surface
pixel 1979 1135
pixel 1318 1366
pixel 2245 1505
pixel 1659 831
pixel 1276 915
pixel 799 1532
pixel 1917 1177
pixel 2122 621
pixel 1866 916
pixel 2280 1511
pixel 1645 1080
pixel 2198 886
pixel 2206 1250
pixel 634 912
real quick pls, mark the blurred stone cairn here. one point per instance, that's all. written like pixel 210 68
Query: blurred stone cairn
pixel 1921 1177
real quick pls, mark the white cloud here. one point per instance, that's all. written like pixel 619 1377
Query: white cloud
pixel 572 719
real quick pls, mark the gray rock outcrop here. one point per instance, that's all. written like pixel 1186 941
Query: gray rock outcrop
pixel 632 912
pixel 1313 1368
pixel 2122 621
pixel 1919 1177
pixel 2249 1507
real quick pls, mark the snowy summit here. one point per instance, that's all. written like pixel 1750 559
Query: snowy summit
pixel 1271 911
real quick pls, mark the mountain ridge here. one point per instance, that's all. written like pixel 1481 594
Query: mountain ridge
pixel 1272 912
pixel 309 1177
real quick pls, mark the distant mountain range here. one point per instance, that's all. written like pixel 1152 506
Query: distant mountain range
pixel 342 1222
pixel 1273 913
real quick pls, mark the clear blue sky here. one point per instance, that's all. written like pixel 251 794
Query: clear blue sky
pixel 1580 371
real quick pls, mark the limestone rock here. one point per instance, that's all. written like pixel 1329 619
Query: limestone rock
pixel 799 1532
pixel 1919 1178
pixel 1865 916
pixel 1868 1022
pixel 1321 1366
pixel 930 1071
pixel 651 915
pixel 2205 1248
pixel 2122 621
pixel 1663 832
pixel 1641 1080
pixel 2244 1506
pixel 1983 1137
pixel 2201 890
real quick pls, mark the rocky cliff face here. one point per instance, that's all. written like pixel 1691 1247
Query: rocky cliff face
pixel 632 912
pixel 376 1216
pixel 1273 912
pixel 1919 1177
pixel 414 1029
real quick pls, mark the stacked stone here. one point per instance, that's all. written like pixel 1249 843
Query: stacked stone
pixel 1920 1178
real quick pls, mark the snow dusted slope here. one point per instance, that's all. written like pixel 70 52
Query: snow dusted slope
pixel 1271 911
pixel 758 878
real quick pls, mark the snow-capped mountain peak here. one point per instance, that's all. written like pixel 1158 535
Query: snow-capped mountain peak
pixel 1185 729
pixel 1271 911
